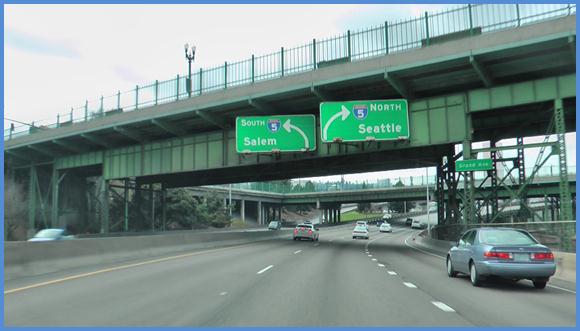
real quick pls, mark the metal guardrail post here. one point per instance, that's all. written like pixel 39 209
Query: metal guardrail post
pixel 253 60
pixel 177 87
pixel 156 91
pixel 386 37
pixel 118 99
pixel 282 60
pixel 200 80
pixel 11 131
pixel 101 110
pixel 86 110
pixel 57 120
pixel 226 75
pixel 427 28
pixel 348 44
pixel 314 54
pixel 470 20
pixel 518 14
pixel 71 114
pixel 136 96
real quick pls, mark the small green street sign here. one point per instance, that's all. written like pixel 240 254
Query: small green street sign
pixel 267 134
pixel 473 165
pixel 368 120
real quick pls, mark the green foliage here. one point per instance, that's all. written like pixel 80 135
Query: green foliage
pixel 309 187
pixel 354 215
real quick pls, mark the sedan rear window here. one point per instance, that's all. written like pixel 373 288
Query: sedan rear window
pixel 307 226
pixel 506 237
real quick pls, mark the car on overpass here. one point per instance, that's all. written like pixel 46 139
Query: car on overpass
pixel 360 231
pixel 502 252
pixel 305 231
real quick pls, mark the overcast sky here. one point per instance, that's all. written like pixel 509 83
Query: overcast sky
pixel 57 56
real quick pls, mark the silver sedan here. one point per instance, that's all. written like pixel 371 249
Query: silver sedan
pixel 504 252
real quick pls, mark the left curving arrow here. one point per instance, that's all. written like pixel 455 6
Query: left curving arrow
pixel 288 126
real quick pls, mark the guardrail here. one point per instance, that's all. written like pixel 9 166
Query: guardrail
pixel 559 235
pixel 390 37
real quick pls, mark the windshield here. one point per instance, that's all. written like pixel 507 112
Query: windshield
pixel 307 226
pixel 49 233
pixel 274 223
pixel 505 237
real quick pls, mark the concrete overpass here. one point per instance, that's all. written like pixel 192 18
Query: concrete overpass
pixel 463 85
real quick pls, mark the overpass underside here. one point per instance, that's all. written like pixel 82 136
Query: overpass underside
pixel 513 83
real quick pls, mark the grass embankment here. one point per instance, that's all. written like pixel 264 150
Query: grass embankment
pixel 354 215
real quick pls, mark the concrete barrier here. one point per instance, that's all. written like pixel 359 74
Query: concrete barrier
pixel 565 262
pixel 22 259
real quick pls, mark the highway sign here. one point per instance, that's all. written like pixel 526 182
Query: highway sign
pixel 364 120
pixel 473 165
pixel 284 133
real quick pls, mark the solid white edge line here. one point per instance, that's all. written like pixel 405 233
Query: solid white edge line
pixel 298 251
pixel 443 306
pixel 443 258
pixel 410 285
pixel 265 269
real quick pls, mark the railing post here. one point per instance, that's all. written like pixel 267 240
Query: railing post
pixel 518 14
pixel 71 114
pixel 569 10
pixel 226 75
pixel 470 20
pixel 11 131
pixel 101 109
pixel 427 28
pixel 200 80
pixel 136 96
pixel 386 37
pixel 282 60
pixel 348 44
pixel 314 54
pixel 156 91
pixel 86 110
pixel 118 100
pixel 177 87
pixel 57 120
pixel 253 69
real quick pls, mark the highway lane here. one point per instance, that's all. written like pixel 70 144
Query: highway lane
pixel 282 282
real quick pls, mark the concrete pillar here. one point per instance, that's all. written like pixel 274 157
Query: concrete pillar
pixel 243 210
pixel 335 215
pixel 259 217
pixel 339 215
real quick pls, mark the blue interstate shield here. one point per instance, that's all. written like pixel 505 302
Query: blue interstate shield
pixel 360 112
pixel 273 125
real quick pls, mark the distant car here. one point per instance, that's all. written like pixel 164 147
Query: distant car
pixel 275 225
pixel 362 223
pixel 409 221
pixel 387 216
pixel 504 252
pixel 305 231
pixel 51 235
pixel 416 224
pixel 360 231
pixel 307 222
pixel 385 227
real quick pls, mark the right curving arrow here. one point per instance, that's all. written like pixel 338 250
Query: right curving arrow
pixel 343 112
pixel 288 126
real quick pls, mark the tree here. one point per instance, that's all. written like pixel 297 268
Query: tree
pixel 15 210
pixel 309 187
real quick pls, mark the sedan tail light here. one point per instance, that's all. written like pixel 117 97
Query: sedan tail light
pixel 295 231
pixel 309 231
pixel 498 255
pixel 542 256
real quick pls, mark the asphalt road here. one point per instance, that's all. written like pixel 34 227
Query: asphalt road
pixel 334 282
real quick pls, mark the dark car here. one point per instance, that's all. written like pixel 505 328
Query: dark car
pixel 504 252
pixel 409 221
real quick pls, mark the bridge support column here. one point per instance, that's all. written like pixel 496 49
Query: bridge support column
pixel 32 202
pixel 243 210
pixel 104 205
pixel 259 219
pixel 565 196
pixel 163 207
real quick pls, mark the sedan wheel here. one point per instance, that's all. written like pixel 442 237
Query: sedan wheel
pixel 540 284
pixel 450 271
pixel 474 276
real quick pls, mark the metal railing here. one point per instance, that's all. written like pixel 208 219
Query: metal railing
pixel 304 186
pixel 559 235
pixel 389 37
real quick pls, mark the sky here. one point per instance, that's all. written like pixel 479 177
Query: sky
pixel 58 56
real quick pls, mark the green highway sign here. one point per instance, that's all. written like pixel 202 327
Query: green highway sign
pixel 474 165
pixel 364 120
pixel 284 133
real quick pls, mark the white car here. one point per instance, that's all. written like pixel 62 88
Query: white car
pixel 385 227
pixel 416 224
pixel 387 216
pixel 360 231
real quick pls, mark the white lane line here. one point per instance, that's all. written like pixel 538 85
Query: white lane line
pixel 560 288
pixel 224 293
pixel 370 255
pixel 374 260
pixel 392 273
pixel 298 251
pixel 410 285
pixel 443 306
pixel 316 245
pixel 265 269
pixel 381 265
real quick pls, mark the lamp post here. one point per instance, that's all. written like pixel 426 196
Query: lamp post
pixel 189 55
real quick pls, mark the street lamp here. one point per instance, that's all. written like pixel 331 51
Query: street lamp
pixel 189 55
